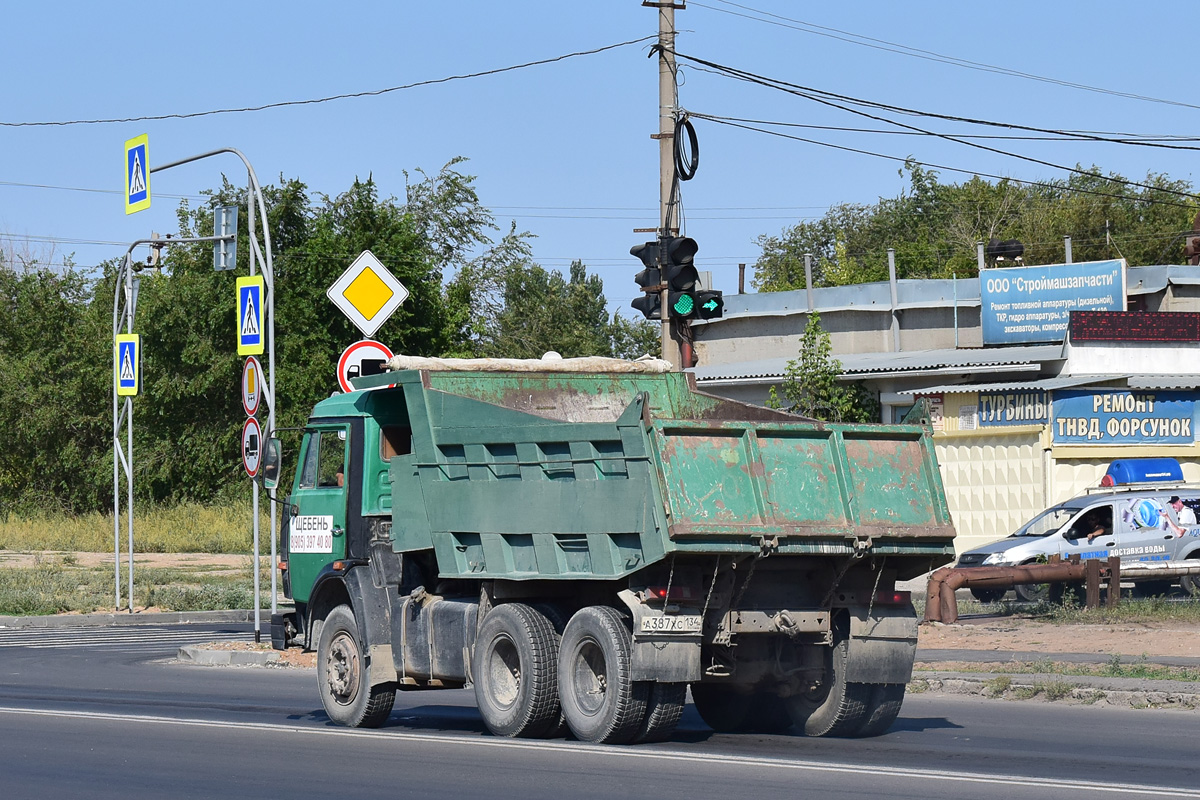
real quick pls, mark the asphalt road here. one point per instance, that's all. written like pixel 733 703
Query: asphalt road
pixel 114 718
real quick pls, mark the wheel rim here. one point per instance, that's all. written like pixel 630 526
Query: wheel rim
pixel 589 678
pixel 504 671
pixel 343 669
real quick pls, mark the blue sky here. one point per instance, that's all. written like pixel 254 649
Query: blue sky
pixel 563 149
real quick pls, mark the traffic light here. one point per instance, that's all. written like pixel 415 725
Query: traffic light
pixel 649 280
pixel 677 266
pixel 710 304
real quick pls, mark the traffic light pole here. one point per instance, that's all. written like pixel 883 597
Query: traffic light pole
pixel 668 101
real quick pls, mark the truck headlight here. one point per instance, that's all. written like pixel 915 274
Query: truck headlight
pixel 995 560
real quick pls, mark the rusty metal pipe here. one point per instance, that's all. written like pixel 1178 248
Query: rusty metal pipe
pixel 941 605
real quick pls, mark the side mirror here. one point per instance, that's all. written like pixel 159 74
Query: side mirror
pixel 272 463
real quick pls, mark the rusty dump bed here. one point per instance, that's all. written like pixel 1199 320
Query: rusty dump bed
pixel 570 475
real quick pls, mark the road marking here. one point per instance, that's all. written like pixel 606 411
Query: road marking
pixel 42 638
pixel 577 748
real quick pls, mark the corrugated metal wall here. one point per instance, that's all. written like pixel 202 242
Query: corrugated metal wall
pixel 994 482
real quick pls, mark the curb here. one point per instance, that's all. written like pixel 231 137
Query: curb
pixel 148 618
pixel 195 654
pixel 1052 689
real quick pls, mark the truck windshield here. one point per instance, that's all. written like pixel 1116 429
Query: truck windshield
pixel 1047 522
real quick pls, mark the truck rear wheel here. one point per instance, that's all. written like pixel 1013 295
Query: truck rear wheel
pixel 600 700
pixel 515 672
pixel 882 708
pixel 663 710
pixel 835 707
pixel 343 677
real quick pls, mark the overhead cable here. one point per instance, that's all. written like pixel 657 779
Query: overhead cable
pixel 313 101
pixel 926 55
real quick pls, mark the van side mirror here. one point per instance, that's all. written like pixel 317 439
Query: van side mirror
pixel 272 464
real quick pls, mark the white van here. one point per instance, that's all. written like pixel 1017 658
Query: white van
pixel 1142 511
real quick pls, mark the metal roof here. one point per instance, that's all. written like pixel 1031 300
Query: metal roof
pixel 1043 385
pixel 914 362
pixel 922 293
pixel 1164 381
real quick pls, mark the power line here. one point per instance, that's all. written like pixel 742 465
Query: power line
pixel 96 191
pixel 314 101
pixel 807 92
pixel 926 55
pixel 810 94
pixel 1068 136
pixel 931 165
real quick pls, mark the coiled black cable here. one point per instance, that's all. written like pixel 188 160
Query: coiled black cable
pixel 685 168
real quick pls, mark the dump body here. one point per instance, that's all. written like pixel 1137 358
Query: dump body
pixel 527 476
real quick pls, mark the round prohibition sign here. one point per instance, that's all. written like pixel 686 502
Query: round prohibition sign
pixel 361 358
pixel 252 446
pixel 252 382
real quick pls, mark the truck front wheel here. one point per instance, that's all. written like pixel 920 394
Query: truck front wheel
pixel 600 700
pixel 515 669
pixel 343 678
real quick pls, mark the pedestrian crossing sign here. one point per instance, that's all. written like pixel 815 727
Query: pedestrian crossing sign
pixel 137 174
pixel 251 339
pixel 127 367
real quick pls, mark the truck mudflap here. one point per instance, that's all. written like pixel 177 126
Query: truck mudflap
pixel 668 653
pixel 882 646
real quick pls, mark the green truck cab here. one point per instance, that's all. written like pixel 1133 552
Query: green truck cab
pixel 581 541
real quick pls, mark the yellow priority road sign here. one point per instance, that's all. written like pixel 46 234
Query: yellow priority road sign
pixel 127 366
pixel 137 174
pixel 367 293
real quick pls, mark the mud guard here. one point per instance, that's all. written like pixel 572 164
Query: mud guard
pixel 882 646
pixel 667 658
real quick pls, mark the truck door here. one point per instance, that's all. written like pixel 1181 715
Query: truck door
pixel 317 529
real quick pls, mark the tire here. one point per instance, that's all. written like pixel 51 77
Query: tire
pixel 989 595
pixel 882 708
pixel 343 675
pixel 1190 585
pixel 1033 593
pixel 721 708
pixel 663 710
pixel 1152 588
pixel 558 621
pixel 836 707
pixel 515 669
pixel 600 700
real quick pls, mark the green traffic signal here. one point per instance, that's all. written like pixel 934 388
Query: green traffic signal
pixel 683 305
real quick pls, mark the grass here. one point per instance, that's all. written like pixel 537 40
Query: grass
pixel 1129 610
pixel 185 528
pixel 58 586
pixel 1115 667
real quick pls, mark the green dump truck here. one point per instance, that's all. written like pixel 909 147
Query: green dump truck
pixel 581 541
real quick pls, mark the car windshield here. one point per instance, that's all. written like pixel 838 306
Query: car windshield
pixel 1047 522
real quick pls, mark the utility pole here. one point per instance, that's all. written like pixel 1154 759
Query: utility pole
pixel 668 102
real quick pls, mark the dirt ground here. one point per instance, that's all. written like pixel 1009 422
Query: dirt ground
pixel 14 558
pixel 1169 638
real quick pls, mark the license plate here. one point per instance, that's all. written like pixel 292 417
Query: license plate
pixel 671 623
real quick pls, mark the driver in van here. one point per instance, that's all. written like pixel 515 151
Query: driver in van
pixel 1093 523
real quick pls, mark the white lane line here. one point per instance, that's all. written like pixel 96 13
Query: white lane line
pixel 631 753
pixel 148 638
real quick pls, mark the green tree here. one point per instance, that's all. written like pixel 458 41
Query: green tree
pixel 543 311
pixel 934 228
pixel 811 385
